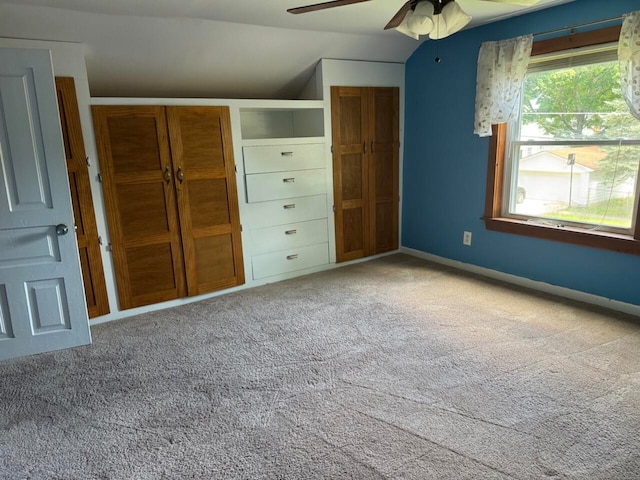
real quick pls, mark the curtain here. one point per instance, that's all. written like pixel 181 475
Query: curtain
pixel 629 61
pixel 501 69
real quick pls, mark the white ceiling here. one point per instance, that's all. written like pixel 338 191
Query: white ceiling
pixel 219 48
pixel 364 18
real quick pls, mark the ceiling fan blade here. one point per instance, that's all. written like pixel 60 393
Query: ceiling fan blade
pixel 324 5
pixel 399 17
pixel 524 3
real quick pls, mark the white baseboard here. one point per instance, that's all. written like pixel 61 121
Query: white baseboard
pixel 577 295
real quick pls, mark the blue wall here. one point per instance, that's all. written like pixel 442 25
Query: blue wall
pixel 445 165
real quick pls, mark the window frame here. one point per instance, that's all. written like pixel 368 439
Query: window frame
pixel 495 193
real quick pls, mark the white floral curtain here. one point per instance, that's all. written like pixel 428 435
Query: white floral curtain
pixel 629 61
pixel 501 69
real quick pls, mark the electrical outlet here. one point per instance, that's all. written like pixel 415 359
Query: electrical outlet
pixel 466 239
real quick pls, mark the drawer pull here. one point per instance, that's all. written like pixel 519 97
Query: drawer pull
pixel 292 257
pixel 289 207
pixel 288 180
pixel 291 232
pixel 286 154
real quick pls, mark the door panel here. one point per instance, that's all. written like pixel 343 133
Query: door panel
pixel 204 168
pixel 215 259
pixel 351 171
pixel 42 306
pixel 384 178
pixel 81 200
pixel 141 206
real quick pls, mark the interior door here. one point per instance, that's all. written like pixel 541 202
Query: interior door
pixel 349 117
pixel 42 303
pixel 135 162
pixel 384 181
pixel 202 154
pixel 83 213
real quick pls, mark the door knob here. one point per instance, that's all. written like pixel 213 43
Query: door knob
pixel 62 229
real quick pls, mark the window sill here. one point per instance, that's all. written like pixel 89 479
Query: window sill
pixel 576 236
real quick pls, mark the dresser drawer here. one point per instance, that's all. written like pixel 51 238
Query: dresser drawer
pixel 276 158
pixel 286 237
pixel 290 260
pixel 290 210
pixel 272 186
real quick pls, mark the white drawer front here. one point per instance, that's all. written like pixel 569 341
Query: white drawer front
pixel 290 260
pixel 291 210
pixel 286 237
pixel 272 186
pixel 276 158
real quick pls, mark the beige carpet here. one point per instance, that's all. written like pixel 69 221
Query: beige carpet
pixel 390 369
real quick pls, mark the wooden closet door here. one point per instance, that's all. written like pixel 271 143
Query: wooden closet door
pixel 384 181
pixel 204 169
pixel 140 201
pixel 349 119
pixel 84 216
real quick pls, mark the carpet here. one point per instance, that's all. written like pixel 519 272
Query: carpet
pixel 395 368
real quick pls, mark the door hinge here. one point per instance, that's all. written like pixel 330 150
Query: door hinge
pixel 88 161
pixel 331 149
pixel 235 167
pixel 241 228
pixel 99 178
pixel 334 209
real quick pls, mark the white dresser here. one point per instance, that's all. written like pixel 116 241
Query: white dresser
pixel 286 194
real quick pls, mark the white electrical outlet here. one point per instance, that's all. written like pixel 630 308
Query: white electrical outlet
pixel 466 239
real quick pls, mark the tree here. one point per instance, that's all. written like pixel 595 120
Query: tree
pixel 570 103
pixel 585 102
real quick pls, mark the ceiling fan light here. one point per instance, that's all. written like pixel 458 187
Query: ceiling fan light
pixel 424 8
pixel 404 27
pixel 440 29
pixel 455 17
pixel 420 21
pixel 420 24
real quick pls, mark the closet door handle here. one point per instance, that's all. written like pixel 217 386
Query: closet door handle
pixel 180 175
pixel 364 146
pixel 167 175
pixel 289 180
pixel 289 207
pixel 286 154
pixel 292 257
pixel 291 232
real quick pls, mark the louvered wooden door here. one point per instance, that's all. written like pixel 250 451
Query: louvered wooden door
pixel 141 206
pixel 204 170
pixel 349 115
pixel 83 212
pixel 365 130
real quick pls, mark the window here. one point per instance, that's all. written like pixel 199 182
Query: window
pixel 567 168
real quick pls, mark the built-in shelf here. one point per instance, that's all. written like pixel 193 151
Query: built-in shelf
pixel 272 123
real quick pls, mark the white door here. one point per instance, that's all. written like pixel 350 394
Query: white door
pixel 42 304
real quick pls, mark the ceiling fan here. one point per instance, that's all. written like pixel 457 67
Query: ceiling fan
pixel 436 18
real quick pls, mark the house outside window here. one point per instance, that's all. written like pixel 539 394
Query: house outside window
pixel 567 168
pixel 572 155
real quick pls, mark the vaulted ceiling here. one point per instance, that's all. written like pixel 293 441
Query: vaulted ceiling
pixel 218 48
